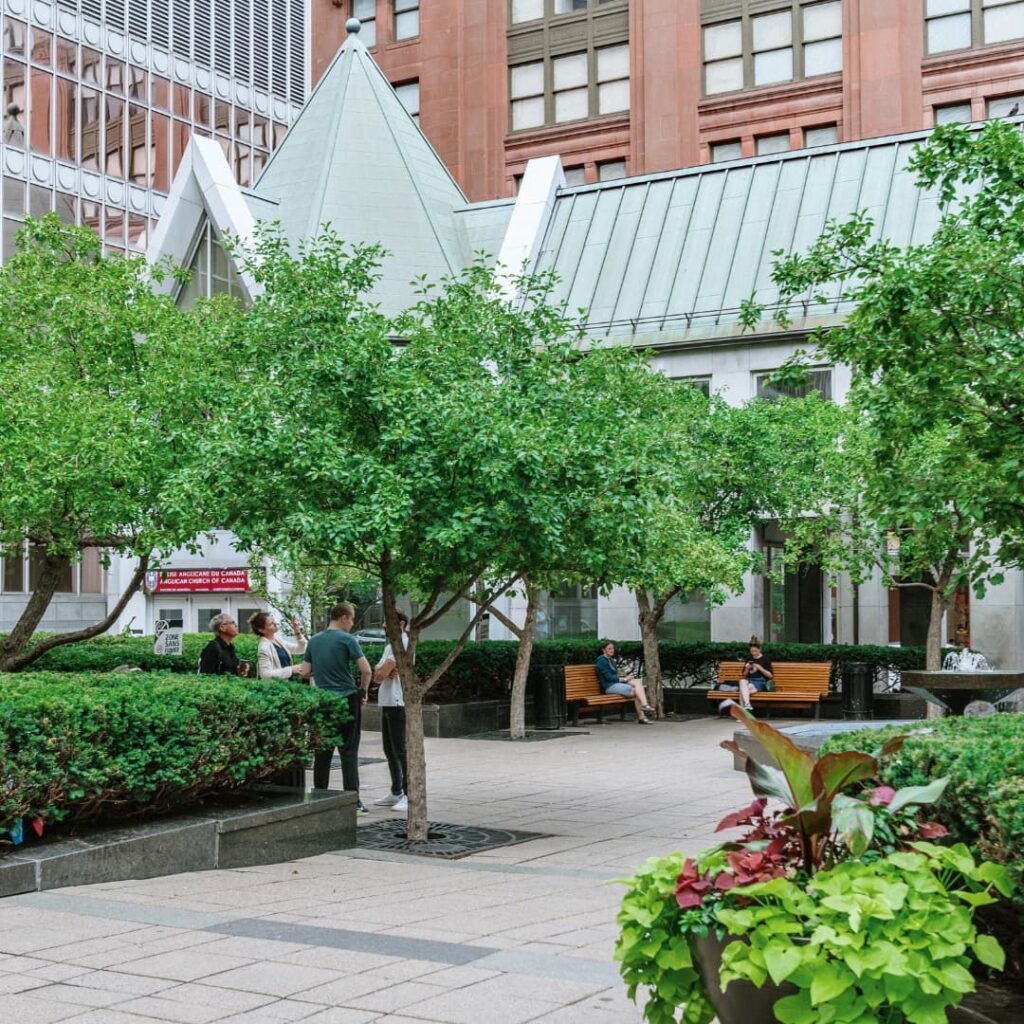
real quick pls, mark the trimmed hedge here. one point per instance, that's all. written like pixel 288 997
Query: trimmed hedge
pixel 984 758
pixel 484 670
pixel 79 747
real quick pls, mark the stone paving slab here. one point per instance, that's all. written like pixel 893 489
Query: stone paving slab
pixel 508 936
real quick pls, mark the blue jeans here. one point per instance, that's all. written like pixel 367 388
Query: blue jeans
pixel 621 690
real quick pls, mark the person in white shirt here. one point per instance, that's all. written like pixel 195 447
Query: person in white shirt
pixel 274 654
pixel 392 724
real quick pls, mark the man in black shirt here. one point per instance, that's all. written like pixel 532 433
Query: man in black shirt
pixel 219 657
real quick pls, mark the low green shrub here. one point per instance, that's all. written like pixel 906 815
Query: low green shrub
pixel 484 670
pixel 80 747
pixel 984 761
pixel 105 653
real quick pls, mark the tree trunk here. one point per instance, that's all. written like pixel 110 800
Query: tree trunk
pixel 13 653
pixel 13 645
pixel 933 645
pixel 416 783
pixel 650 616
pixel 652 656
pixel 517 712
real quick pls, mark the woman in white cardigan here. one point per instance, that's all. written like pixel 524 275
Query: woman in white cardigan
pixel 274 657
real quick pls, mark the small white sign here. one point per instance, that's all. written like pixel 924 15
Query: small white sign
pixel 168 638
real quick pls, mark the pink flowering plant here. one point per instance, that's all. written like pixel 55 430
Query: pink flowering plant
pixel 832 877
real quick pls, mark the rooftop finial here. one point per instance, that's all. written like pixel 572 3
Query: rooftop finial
pixel 352 26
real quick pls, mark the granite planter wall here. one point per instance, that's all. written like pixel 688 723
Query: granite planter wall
pixel 276 824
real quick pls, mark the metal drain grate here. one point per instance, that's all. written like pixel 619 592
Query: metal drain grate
pixel 447 841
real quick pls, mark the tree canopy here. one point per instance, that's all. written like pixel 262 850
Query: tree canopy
pixel 935 342
pixel 101 400
pixel 452 449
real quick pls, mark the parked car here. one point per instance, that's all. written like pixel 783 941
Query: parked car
pixel 371 635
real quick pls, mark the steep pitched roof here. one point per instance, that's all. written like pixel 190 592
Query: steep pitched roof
pixel 355 159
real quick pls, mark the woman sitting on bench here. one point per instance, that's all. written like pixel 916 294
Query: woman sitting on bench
pixel 608 677
pixel 757 676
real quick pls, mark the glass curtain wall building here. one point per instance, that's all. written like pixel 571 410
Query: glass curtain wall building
pixel 100 98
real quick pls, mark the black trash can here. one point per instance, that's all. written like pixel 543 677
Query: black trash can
pixel 858 691
pixel 549 696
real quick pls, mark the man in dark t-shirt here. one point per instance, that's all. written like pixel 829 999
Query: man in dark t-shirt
pixel 328 658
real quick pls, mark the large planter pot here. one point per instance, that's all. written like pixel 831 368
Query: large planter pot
pixel 741 1002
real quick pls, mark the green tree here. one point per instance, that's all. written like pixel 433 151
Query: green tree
pixel 935 342
pixel 102 396
pixel 727 470
pixel 417 450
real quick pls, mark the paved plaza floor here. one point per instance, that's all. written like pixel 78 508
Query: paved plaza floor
pixel 521 933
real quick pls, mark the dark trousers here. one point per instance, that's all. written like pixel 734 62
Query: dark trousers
pixel 349 751
pixel 392 728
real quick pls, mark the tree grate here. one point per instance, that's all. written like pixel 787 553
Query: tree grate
pixel 449 842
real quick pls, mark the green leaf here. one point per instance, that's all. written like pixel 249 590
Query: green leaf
pixel 989 952
pixel 675 955
pixel 830 980
pixel 781 960
pixel 914 795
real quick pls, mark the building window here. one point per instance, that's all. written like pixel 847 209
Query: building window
pixel 14 570
pixel 213 271
pixel 767 144
pixel 366 12
pixel 686 619
pixel 527 93
pixel 953 113
pixel 701 383
pixel 611 169
pixel 570 611
pixel 773 48
pixel 613 79
pixel 799 40
pixel 822 38
pixel 818 380
pixel 533 10
pixel 960 24
pixel 407 19
pixel 574 176
pixel 1006 106
pixel 722 151
pixel 527 10
pixel 823 135
pixel 570 87
pixel 409 95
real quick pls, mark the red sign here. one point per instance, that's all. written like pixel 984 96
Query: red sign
pixel 167 581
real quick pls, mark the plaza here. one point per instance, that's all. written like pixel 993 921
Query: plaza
pixel 516 934
pixel 680 396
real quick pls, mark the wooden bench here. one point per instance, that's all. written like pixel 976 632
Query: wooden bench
pixel 798 684
pixel 583 693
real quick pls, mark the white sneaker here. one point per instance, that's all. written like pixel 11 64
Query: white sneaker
pixel 402 804
pixel 725 705
pixel 388 801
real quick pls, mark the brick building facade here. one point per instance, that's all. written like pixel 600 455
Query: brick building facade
pixel 638 86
